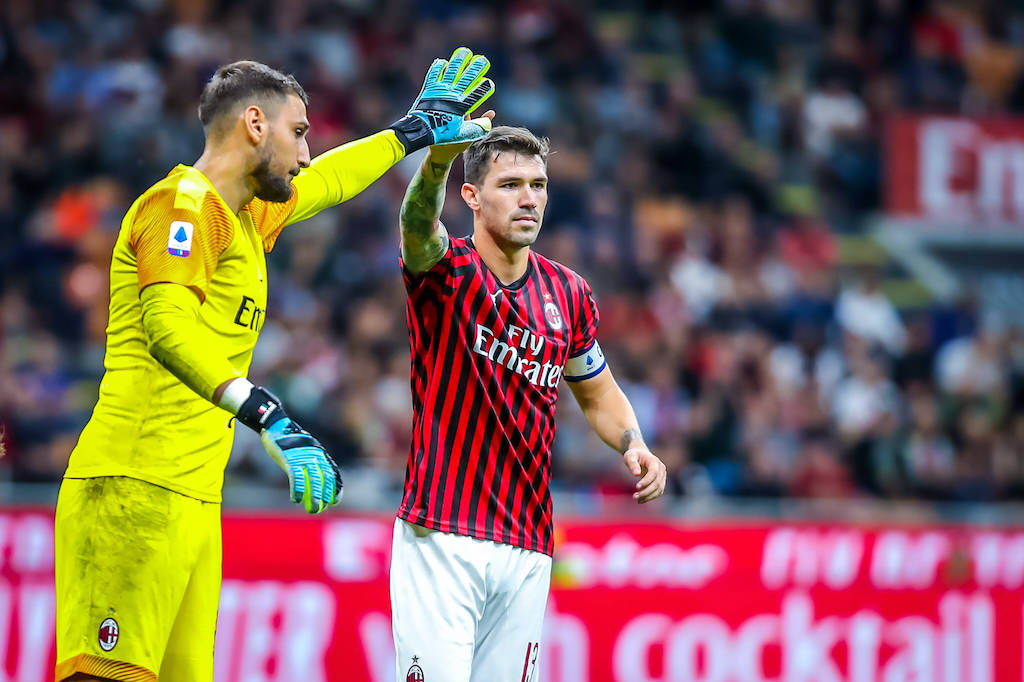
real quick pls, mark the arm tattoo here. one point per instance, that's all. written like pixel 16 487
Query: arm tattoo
pixel 628 436
pixel 439 171
pixel 422 242
pixel 422 205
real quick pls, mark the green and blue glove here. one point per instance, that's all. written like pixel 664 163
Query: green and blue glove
pixel 452 89
pixel 313 477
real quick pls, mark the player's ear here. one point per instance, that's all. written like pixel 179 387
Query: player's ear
pixel 471 196
pixel 255 123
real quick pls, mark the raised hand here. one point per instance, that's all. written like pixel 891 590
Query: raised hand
pixel 452 89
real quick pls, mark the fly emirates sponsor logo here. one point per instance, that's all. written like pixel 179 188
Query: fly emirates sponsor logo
pixel 518 352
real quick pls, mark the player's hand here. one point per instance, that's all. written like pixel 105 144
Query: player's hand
pixel 446 153
pixel 452 89
pixel 313 477
pixel 651 471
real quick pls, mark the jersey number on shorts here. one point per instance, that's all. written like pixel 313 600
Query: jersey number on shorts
pixel 530 662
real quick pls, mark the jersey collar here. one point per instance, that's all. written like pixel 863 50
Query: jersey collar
pixel 518 284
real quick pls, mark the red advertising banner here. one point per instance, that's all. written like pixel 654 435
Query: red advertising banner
pixel 631 601
pixel 955 170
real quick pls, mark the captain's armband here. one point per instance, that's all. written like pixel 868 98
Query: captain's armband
pixel 585 365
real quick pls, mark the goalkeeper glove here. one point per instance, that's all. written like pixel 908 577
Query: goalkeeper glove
pixel 452 89
pixel 313 477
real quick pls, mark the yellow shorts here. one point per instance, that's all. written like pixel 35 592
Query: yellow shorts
pixel 138 571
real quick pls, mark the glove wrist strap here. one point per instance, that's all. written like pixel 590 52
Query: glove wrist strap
pixel 413 132
pixel 260 410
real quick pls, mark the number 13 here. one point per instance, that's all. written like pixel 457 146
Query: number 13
pixel 530 662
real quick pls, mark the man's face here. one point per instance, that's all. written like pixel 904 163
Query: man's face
pixel 512 198
pixel 283 152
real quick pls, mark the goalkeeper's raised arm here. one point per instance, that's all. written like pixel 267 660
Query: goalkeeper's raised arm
pixel 452 89
pixel 284 186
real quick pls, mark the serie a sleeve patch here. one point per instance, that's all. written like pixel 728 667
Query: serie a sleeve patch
pixel 179 238
pixel 587 364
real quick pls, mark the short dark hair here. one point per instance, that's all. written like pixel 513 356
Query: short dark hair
pixel 245 81
pixel 477 159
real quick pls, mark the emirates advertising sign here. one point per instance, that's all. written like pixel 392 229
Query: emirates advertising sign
pixel 950 170
pixel 650 601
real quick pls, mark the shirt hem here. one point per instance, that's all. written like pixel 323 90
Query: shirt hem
pixel 479 535
pixel 139 476
pixel 107 668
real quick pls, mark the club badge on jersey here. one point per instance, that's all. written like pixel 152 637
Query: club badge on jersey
pixel 553 315
pixel 415 673
pixel 179 238
pixel 551 312
pixel 109 634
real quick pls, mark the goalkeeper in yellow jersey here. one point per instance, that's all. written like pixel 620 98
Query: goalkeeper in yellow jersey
pixel 138 543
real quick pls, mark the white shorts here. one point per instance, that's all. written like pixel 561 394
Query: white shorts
pixel 465 610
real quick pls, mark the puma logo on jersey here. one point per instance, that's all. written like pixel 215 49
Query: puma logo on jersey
pixel 179 238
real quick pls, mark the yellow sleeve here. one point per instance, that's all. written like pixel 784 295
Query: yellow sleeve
pixel 178 238
pixel 333 177
pixel 179 342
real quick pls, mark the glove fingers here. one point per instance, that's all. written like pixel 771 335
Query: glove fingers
pixel 456 63
pixel 300 489
pixel 472 74
pixel 313 499
pixel 435 72
pixel 319 491
pixel 326 484
pixel 479 95
pixel 339 486
pixel 311 481
pixel 433 75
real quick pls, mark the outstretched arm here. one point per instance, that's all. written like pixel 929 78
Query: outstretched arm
pixel 452 90
pixel 608 410
pixel 424 238
pixel 343 172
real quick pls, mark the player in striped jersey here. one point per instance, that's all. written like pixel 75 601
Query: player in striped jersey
pixel 493 328
pixel 137 531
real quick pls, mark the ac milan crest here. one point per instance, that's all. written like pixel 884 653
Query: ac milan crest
pixel 415 673
pixel 108 634
pixel 553 315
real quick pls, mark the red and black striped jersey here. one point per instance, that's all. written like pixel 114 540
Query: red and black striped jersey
pixel 486 363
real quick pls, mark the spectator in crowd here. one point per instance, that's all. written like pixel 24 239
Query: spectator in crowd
pixel 863 310
pixel 976 366
pixel 927 454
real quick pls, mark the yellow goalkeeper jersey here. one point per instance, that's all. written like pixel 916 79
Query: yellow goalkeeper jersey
pixel 147 424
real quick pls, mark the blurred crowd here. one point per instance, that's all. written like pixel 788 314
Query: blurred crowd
pixel 708 158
